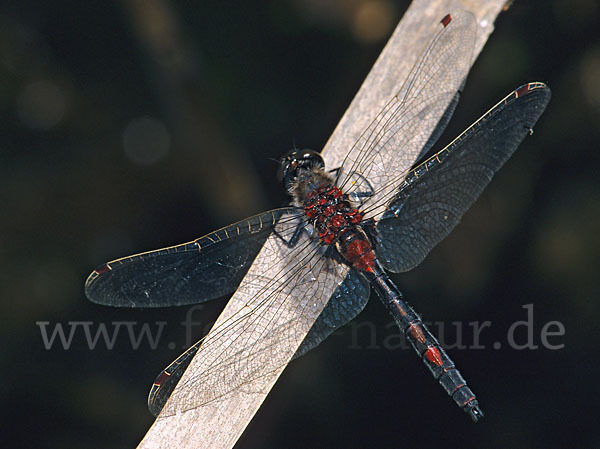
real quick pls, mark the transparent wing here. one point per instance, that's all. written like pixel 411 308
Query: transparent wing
pixel 435 195
pixel 204 269
pixel 347 301
pixel 283 296
pixel 167 380
pixel 396 137
pixel 441 126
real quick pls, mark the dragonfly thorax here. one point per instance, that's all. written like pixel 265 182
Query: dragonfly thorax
pixel 330 212
pixel 338 223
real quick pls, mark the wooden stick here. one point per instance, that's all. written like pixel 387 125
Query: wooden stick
pixel 220 423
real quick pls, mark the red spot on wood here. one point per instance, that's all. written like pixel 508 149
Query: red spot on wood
pixel 103 269
pixel 446 20
pixel 522 90
pixel 433 355
pixel 417 333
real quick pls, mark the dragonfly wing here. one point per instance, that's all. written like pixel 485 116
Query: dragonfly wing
pixel 392 143
pixel 435 195
pixel 441 126
pixel 280 299
pixel 167 380
pixel 348 300
pixel 193 272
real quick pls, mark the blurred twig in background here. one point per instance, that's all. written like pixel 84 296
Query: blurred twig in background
pixel 226 184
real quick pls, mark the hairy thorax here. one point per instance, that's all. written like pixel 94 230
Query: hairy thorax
pixel 334 218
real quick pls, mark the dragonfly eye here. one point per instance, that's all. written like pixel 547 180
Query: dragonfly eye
pixel 295 161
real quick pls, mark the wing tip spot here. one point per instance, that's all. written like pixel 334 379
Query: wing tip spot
pixel 522 91
pixel 103 269
pixel 446 20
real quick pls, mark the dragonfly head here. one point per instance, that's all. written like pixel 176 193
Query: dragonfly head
pixel 296 161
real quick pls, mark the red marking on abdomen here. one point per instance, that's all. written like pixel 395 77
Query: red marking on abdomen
pixel 360 254
pixel 458 387
pixel 467 401
pixel 433 355
pixel 417 333
pixel 366 262
pixel 446 20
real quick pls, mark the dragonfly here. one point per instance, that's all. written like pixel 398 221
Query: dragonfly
pixel 345 228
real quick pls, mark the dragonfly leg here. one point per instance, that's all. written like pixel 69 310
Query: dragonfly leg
pixel 293 240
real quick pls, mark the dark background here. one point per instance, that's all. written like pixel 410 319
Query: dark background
pixel 212 92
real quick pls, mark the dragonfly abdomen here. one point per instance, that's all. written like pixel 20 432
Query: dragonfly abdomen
pixel 425 344
pixel 355 247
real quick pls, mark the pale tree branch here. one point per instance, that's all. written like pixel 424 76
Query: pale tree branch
pixel 219 424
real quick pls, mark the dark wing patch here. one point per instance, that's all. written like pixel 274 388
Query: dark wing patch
pixel 194 272
pixel 435 195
